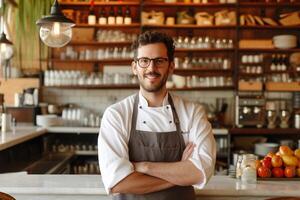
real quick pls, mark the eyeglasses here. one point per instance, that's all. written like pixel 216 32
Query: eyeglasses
pixel 144 62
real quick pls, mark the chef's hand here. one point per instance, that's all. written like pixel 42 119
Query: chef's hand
pixel 188 151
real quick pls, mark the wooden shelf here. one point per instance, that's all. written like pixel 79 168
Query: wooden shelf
pixel 160 4
pixel 202 88
pixel 262 131
pixel 204 50
pixel 105 61
pixel 92 43
pixel 86 153
pixel 198 69
pixel 261 4
pixel 133 86
pixel 106 86
pixel 181 26
pixel 250 75
pixel 269 50
pixel 103 3
pixel 133 25
pixel 202 72
pixel 269 27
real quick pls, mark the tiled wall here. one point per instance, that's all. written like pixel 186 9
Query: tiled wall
pixel 99 100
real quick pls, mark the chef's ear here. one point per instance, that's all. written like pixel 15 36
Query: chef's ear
pixel 133 67
pixel 171 68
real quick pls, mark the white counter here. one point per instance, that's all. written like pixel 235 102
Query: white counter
pixel 19 135
pixel 90 187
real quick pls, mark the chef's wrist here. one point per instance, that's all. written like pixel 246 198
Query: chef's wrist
pixel 142 167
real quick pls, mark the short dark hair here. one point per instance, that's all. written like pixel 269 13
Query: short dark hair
pixel 151 37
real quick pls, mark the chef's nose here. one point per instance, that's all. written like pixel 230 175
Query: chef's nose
pixel 152 65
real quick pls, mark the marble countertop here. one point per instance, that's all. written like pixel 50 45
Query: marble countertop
pixel 18 135
pixel 92 185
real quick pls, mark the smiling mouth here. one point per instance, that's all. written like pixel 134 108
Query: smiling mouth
pixel 152 76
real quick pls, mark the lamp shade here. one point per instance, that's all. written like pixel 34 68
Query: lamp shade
pixel 55 29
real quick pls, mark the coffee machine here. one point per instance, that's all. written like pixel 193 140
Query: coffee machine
pixel 250 110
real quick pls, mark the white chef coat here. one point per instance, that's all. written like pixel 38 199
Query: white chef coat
pixel 115 132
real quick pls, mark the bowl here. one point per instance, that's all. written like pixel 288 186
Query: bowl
pixel 285 41
pixel 262 149
pixel 48 120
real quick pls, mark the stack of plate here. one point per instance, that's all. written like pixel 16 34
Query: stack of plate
pixel 285 41
pixel 48 120
pixel 262 149
pixel 296 100
pixel 232 171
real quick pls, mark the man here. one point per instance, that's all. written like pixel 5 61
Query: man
pixel 154 145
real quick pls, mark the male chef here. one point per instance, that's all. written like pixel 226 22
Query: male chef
pixel 154 145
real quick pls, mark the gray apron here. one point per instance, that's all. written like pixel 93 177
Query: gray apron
pixel 157 147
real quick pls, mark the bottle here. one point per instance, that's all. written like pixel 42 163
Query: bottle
pixel 92 16
pixel 111 16
pixel 127 19
pixel 102 17
pixel 119 18
pixel 273 64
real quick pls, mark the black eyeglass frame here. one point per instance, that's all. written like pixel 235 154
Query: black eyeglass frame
pixel 155 60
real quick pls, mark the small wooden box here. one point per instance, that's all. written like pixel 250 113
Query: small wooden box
pixel 250 86
pixel 83 34
pixel 262 44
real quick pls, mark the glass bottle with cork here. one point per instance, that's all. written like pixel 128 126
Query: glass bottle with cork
pixel 119 18
pixel 111 16
pixel 127 19
pixel 102 17
pixel 92 15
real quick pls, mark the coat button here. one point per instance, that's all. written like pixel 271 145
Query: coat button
pixel 167 107
pixel 144 122
pixel 140 107
pixel 170 122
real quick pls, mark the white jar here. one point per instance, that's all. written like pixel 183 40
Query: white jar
pixel 248 169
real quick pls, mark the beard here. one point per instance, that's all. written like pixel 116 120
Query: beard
pixel 153 87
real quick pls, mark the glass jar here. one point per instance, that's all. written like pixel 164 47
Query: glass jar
pixel 248 169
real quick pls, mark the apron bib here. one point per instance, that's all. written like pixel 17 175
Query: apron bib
pixel 157 147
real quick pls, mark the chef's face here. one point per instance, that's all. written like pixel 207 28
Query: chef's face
pixel 152 74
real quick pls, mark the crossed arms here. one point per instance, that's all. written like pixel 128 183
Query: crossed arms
pixel 155 176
